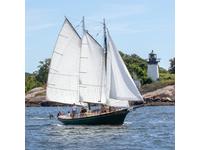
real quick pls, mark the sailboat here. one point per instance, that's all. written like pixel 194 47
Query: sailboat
pixel 82 72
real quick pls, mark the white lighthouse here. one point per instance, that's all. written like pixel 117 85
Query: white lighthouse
pixel 153 70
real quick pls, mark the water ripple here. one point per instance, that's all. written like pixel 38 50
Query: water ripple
pixel 144 129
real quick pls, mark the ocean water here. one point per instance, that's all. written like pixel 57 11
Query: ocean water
pixel 147 128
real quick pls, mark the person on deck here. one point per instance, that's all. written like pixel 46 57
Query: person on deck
pixel 68 114
pixel 83 111
pixel 103 109
pixel 59 113
pixel 74 110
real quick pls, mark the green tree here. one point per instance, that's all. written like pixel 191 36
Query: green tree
pixel 136 66
pixel 42 74
pixel 172 66
pixel 31 82
pixel 146 80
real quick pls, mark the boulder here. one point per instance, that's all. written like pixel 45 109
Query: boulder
pixel 166 94
pixel 39 91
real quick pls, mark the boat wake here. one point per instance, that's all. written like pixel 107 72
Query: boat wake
pixel 38 118
pixel 59 125
pixel 127 122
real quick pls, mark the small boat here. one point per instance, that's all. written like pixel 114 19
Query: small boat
pixel 82 72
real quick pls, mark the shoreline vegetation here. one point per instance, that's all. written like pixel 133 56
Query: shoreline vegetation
pixel 161 92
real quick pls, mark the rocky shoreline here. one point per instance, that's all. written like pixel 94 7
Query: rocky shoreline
pixel 160 97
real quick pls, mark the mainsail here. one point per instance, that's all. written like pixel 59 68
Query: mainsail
pixel 120 85
pixel 92 66
pixel 63 78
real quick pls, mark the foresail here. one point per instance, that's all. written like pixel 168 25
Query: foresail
pixel 63 78
pixel 121 85
pixel 92 71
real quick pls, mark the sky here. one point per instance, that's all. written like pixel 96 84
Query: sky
pixel 136 26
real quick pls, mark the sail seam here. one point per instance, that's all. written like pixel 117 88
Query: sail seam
pixel 63 74
pixel 58 53
pixel 61 88
pixel 91 85
pixel 53 69
pixel 50 84
pixel 63 36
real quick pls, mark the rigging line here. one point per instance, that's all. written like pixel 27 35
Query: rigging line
pixel 94 40
pixel 73 19
pixel 76 21
pixel 93 21
pixel 69 23
pixel 98 33
pixel 79 24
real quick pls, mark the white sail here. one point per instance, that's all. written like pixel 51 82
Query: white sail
pixel 92 70
pixel 121 85
pixel 117 103
pixel 63 78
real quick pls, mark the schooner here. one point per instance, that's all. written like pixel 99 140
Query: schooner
pixel 83 72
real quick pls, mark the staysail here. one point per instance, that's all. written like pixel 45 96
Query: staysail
pixel 120 85
pixel 63 78
pixel 92 70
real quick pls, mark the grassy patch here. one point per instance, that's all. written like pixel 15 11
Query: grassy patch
pixel 156 85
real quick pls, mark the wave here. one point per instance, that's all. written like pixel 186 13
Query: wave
pixel 127 122
pixel 38 118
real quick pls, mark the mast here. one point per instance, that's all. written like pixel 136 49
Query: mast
pixel 105 42
pixel 83 24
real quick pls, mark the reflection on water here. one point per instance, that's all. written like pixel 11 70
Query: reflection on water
pixel 146 128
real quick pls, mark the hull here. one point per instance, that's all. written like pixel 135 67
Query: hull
pixel 112 118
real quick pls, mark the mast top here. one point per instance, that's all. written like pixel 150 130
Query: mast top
pixel 83 24
pixel 105 42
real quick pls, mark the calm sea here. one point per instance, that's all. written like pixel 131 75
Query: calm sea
pixel 147 128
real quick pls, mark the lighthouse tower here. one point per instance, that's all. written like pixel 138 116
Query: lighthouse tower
pixel 152 69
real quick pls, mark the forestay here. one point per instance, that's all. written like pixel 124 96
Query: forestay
pixel 92 71
pixel 120 84
pixel 63 79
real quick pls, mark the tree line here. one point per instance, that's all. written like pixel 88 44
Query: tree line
pixel 135 65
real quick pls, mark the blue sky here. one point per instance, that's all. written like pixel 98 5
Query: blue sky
pixel 136 26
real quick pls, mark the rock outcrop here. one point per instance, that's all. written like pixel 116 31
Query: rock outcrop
pixel 35 97
pixel 163 96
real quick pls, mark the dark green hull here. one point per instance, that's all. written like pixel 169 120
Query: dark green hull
pixel 112 118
